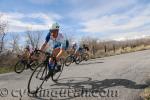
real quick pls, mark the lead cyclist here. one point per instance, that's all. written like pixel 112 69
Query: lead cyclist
pixel 59 44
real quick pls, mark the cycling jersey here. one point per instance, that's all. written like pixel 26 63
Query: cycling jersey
pixel 76 47
pixel 59 42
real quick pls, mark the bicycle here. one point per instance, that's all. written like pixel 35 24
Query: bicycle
pixel 71 59
pixel 23 64
pixel 41 72
pixel 84 56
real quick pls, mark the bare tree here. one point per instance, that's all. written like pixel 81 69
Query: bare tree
pixel 34 38
pixel 15 43
pixel 3 28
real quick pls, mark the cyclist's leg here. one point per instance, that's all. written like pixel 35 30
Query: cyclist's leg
pixel 51 61
pixel 77 53
pixel 59 52
pixel 51 65
pixel 55 52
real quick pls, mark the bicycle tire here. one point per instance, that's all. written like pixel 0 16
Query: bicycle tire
pixel 44 71
pixel 78 60
pixel 17 65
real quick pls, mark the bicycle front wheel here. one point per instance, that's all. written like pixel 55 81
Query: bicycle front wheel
pixel 19 67
pixel 78 59
pixel 37 78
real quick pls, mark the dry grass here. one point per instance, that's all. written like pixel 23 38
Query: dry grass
pixel 101 53
pixel 97 50
pixel 146 94
pixel 6 69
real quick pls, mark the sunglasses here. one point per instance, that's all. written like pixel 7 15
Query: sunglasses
pixel 56 30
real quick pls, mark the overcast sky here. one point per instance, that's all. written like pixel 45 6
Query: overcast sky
pixel 103 19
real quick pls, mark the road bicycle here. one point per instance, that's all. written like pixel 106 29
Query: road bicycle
pixel 77 59
pixel 40 74
pixel 23 64
pixel 71 59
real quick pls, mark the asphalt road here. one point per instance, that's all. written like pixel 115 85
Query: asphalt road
pixel 121 77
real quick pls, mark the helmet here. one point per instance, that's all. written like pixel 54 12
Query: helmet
pixel 74 43
pixel 55 26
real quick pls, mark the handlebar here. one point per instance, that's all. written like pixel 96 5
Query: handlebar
pixel 46 53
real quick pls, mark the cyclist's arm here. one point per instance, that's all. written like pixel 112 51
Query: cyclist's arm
pixel 60 53
pixel 62 47
pixel 44 46
pixel 46 41
pixel 77 49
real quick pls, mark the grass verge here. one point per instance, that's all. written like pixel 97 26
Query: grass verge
pixel 98 54
pixel 6 69
pixel 146 93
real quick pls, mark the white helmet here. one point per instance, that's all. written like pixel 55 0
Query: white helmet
pixel 74 43
pixel 55 26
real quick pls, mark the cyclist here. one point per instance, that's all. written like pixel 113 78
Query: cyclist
pixel 77 49
pixel 59 45
pixel 27 53
pixel 34 55
pixel 85 47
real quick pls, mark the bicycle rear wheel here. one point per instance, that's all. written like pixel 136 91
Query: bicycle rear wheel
pixel 56 73
pixel 19 67
pixel 37 78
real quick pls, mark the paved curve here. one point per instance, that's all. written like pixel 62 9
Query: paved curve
pixel 121 77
